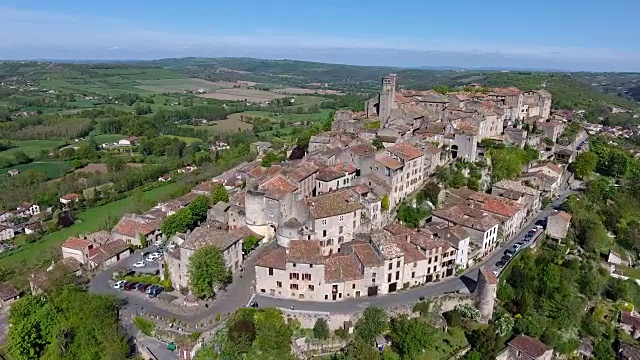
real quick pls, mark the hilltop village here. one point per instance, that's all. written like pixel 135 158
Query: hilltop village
pixel 329 219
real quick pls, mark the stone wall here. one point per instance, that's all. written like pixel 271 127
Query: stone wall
pixel 336 320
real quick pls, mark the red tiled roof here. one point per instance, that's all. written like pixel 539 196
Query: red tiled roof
pixel 304 251
pixel 334 203
pixel 275 258
pixel 499 207
pixel 397 229
pixel 107 251
pixel 491 278
pixel 366 254
pixel 405 151
pixel 506 91
pixel 389 162
pixel 411 253
pixel 361 150
pixel 131 226
pixel 277 187
pixel 76 243
pixel 529 345
pixel 340 268
pixel 70 196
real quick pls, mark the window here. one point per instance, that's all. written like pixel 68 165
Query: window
pixel 389 277
pixel 279 284
pixel 270 271
pixel 398 263
pixel 294 265
pixel 340 229
pixel 415 264
pixel 390 266
pixel 294 276
pixel 397 275
pixel 324 222
pixel 373 275
pixel 263 290
pixel 341 218
pixel 326 297
pixel 413 274
pixel 306 277
pixel 311 288
pixel 293 286
pixel 353 286
pixel 324 233
pixel 311 266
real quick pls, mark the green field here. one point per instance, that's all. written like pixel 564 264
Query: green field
pixel 108 138
pixel 54 169
pixel 87 221
pixel 30 147
pixel 181 84
pixel 188 140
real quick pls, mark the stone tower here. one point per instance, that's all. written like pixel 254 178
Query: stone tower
pixel 387 97
pixel 485 293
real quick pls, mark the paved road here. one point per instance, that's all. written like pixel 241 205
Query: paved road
pixel 464 283
pixel 235 296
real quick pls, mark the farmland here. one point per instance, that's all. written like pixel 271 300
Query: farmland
pixel 53 169
pixel 248 95
pixel 88 221
pixel 33 148
pixel 181 85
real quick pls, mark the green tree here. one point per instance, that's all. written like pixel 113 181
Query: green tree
pixel 85 152
pixel 360 350
pixel 115 164
pixel 384 203
pixel 249 243
pixel 207 269
pixel 373 322
pixel 585 164
pixel 485 341
pixel 178 222
pixel 199 207
pixel 442 89
pixel 412 216
pixel 273 336
pixel 21 157
pixel 321 329
pixel 377 143
pixel 219 193
pixel 409 337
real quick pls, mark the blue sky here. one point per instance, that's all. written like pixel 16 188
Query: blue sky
pixel 564 34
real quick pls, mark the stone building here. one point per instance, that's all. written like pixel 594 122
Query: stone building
pixel 523 194
pixel 558 224
pixel 401 167
pixel 485 293
pixel 335 177
pixel 524 347
pixel 208 234
pixel 132 227
pixel 481 226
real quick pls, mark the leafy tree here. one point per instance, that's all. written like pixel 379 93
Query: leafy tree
pixel 430 191
pixel 469 312
pixel 384 203
pixel 412 216
pixel 410 336
pixel 372 323
pixel 442 89
pixel 273 336
pixel 360 350
pixel 218 194
pixel 249 243
pixel 377 143
pixel 21 157
pixel 585 164
pixel 504 324
pixel 207 269
pixel 485 341
pixel 115 164
pixel 321 329
pixel 181 221
pixel 199 207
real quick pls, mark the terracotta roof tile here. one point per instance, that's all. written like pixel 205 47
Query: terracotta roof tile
pixel 333 204
pixel 335 172
pixel 107 251
pixel 340 268
pixel 76 243
pixel 302 170
pixel 361 150
pixel 70 197
pixel 411 253
pixel 405 151
pixel 304 251
pixel 366 254
pixel 468 217
pixel 207 234
pixel 277 187
pixel 134 225
pixel 529 345
pixel 274 258
pixel 389 162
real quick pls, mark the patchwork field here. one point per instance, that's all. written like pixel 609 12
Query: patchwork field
pixel 302 91
pixel 180 85
pixel 241 94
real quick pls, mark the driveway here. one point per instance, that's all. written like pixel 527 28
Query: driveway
pixel 464 283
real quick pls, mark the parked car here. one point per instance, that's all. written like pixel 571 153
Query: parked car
pixel 139 264
pixel 501 264
pixel 136 286
pixel 516 247
pixel 143 287
pixel 150 288
pixel 505 258
pixel 130 286
pixel 509 252
pixel 521 243
pixel 119 285
pixel 156 291
pixel 539 227
pixel 157 254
